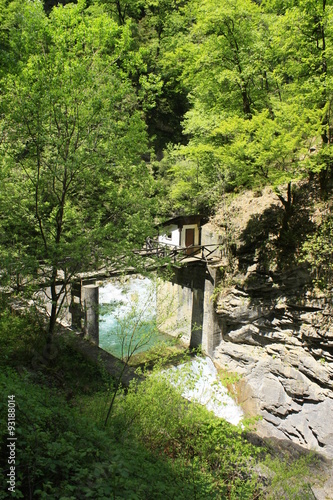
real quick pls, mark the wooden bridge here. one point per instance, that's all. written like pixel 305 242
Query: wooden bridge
pixel 205 253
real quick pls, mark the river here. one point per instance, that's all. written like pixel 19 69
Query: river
pixel 128 322
pixel 128 316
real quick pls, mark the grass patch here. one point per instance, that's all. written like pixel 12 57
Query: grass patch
pixel 230 381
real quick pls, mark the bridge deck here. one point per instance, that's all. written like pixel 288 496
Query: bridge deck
pixel 192 253
pixel 210 254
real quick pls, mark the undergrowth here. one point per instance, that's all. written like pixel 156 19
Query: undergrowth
pixel 156 445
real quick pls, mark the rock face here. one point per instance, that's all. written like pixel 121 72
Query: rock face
pixel 278 334
pixel 285 356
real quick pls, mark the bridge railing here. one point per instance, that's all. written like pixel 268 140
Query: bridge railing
pixel 177 253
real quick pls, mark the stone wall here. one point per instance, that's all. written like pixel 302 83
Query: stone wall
pixel 44 302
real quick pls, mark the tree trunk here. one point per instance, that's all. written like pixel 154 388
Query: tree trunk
pixel 288 207
pixel 246 103
pixel 54 307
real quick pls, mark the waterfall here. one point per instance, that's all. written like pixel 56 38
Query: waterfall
pixel 199 382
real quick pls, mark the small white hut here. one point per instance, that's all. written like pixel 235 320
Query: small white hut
pixel 182 231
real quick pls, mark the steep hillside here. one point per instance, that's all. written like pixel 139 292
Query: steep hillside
pixel 277 323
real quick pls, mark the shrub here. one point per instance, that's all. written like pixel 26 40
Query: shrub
pixel 20 337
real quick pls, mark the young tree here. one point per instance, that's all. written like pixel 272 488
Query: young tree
pixel 224 69
pixel 302 40
pixel 260 87
pixel 71 140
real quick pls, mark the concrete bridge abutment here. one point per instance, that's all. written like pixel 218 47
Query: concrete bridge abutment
pixel 185 306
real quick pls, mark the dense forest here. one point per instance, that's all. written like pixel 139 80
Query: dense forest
pixel 115 115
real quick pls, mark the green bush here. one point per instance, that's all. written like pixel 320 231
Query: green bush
pixel 21 336
pixel 61 453
pixel 157 445
pixel 191 436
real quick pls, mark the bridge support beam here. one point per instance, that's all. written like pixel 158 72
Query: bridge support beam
pixel 211 328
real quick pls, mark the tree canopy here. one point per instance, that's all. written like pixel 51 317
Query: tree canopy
pixel 72 138
pixel 116 113
pixel 258 80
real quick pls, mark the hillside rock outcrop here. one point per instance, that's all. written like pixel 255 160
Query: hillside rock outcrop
pixel 277 333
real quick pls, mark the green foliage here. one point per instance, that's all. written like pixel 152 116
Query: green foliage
pixel 258 76
pixel 156 444
pixel 72 136
pixel 22 345
pixel 190 435
pixel 229 378
pixel 283 474
pixel 49 455
pixel 167 353
pixel 75 458
pixel 62 454
pixel 242 91
pixel 20 338
pixel 317 251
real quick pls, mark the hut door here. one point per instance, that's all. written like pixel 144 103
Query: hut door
pixel 189 239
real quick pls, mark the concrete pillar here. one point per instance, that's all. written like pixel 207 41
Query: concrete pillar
pixel 196 317
pixel 90 303
pixel 174 308
pixel 211 329
pixel 192 312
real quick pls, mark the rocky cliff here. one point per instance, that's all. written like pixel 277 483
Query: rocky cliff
pixel 277 329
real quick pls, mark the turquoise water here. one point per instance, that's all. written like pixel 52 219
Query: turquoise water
pixel 128 317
